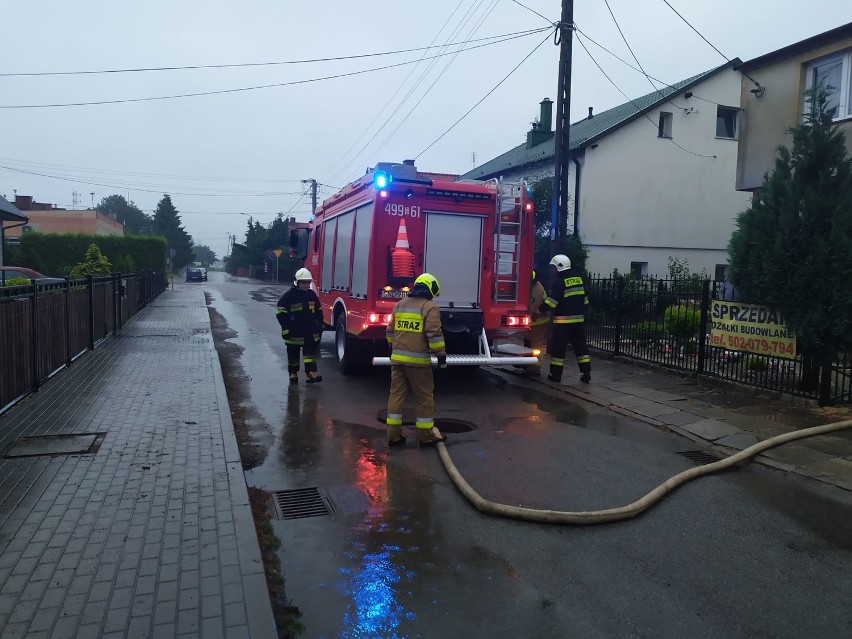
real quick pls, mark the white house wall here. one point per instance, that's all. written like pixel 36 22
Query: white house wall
pixel 643 199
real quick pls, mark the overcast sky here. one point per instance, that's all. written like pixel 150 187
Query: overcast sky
pixel 247 151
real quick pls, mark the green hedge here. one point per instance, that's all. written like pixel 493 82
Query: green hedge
pixel 55 254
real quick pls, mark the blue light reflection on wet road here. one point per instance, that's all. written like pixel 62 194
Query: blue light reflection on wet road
pixel 375 611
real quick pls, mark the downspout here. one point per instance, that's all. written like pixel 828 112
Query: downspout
pixel 576 197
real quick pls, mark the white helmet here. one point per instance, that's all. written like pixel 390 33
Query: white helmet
pixel 561 262
pixel 304 275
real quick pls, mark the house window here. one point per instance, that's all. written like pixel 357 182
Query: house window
pixel 726 122
pixel 638 269
pixel 720 272
pixel 665 128
pixel 833 74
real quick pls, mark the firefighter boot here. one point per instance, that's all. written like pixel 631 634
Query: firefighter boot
pixel 585 369
pixel 294 378
pixel 556 367
pixel 313 378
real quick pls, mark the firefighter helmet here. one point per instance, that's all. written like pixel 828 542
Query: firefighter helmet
pixel 561 262
pixel 430 282
pixel 304 275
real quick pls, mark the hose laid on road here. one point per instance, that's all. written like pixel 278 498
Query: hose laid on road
pixel 630 511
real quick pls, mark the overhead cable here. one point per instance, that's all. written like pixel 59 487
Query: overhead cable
pixel 257 87
pixel 638 108
pixel 250 64
pixel 470 110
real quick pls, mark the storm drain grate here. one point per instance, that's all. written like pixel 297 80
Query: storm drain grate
pixel 52 445
pixel 699 456
pixel 301 502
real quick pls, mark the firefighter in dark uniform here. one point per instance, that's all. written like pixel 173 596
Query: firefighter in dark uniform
pixel 567 299
pixel 300 315
pixel 414 335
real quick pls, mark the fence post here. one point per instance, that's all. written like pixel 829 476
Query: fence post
pixel 115 303
pixel 619 303
pixel 67 322
pixel 90 285
pixel 36 377
pixel 702 327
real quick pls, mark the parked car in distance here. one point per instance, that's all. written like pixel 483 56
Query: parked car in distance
pixel 19 272
pixel 195 274
pixel 204 273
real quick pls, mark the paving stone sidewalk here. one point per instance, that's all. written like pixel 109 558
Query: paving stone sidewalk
pixel 721 415
pixel 152 535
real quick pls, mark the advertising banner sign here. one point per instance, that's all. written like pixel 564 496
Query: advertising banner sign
pixel 738 326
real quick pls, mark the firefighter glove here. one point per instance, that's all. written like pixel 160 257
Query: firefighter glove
pixel 442 361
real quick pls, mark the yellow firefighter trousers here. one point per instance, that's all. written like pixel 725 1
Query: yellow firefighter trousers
pixel 419 380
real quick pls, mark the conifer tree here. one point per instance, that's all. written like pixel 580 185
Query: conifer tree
pixel 167 224
pixel 792 249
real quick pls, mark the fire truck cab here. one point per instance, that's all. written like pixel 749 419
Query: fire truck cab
pixel 368 243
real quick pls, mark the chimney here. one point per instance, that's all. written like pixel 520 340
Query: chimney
pixel 546 118
pixel 24 202
pixel 591 115
pixel 544 130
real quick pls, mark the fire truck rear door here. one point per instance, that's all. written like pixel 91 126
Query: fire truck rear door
pixel 454 255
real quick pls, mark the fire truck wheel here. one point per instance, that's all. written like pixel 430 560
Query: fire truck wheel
pixel 346 347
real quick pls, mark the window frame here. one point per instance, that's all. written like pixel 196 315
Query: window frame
pixel 664 131
pixel 734 112
pixel 844 91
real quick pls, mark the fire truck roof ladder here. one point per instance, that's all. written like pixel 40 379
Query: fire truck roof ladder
pixel 507 242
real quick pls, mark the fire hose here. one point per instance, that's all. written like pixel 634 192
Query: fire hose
pixel 625 512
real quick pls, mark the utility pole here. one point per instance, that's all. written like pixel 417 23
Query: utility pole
pixel 559 210
pixel 313 184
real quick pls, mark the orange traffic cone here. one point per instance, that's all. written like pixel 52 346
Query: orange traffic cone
pixel 402 259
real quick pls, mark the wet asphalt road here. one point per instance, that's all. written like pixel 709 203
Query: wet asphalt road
pixel 751 552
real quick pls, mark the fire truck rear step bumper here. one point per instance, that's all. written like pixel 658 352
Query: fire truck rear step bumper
pixel 471 360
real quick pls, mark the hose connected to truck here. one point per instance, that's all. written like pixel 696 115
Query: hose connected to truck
pixel 637 507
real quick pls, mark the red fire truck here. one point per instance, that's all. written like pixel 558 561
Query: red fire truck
pixel 368 242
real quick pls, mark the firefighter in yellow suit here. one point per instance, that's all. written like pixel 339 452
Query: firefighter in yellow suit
pixel 414 335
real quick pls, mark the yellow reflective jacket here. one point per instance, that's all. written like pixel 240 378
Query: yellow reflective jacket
pixel 538 309
pixel 414 332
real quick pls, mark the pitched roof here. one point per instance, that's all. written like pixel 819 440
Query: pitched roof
pixel 827 37
pixel 587 130
pixel 10 213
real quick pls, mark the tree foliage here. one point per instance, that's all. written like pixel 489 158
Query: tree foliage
pixel 167 224
pixel 572 246
pixel 792 249
pixel 260 241
pixel 205 255
pixel 94 263
pixel 135 221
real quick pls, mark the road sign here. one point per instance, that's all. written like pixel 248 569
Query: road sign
pixel 277 252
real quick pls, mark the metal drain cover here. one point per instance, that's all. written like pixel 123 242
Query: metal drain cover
pixel 699 456
pixel 301 502
pixel 74 444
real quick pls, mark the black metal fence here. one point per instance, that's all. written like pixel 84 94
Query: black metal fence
pixel 667 322
pixel 45 327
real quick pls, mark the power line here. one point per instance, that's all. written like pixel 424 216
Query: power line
pixel 341 161
pixel 28 163
pixel 755 82
pixel 550 22
pixel 483 97
pixel 166 190
pixel 243 64
pixel 435 81
pixel 254 88
pixel 638 109
pixel 629 48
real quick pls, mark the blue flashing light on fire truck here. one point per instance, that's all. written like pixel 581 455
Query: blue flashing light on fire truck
pixel 368 242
